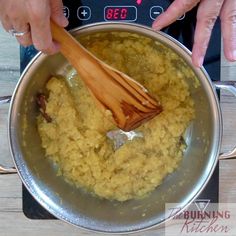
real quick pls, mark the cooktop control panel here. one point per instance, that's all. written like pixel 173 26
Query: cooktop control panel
pixel 144 12
pixel 137 11
pixel 83 12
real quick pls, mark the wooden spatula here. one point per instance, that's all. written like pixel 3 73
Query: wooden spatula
pixel 127 100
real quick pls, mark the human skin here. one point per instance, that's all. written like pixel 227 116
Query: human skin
pixel 208 11
pixel 34 16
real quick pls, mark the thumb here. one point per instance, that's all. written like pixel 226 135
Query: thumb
pixel 57 13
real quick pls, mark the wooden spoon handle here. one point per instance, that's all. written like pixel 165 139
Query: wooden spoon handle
pixel 88 67
pixel 127 100
pixel 69 46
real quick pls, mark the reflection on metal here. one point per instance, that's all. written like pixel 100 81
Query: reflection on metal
pixel 5 99
pixel 5 170
pixel 120 137
pixel 231 87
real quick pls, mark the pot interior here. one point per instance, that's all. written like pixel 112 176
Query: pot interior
pixel 79 208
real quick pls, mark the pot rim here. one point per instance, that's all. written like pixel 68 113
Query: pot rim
pixel 128 27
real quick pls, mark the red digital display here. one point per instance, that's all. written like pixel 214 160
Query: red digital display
pixel 120 13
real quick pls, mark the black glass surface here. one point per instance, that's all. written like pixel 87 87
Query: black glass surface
pixel 84 12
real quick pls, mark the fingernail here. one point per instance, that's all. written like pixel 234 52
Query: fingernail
pixel 199 62
pixel 53 49
pixel 56 46
pixel 64 21
pixel 233 56
pixel 155 26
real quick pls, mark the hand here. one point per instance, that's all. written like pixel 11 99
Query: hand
pixel 33 17
pixel 208 11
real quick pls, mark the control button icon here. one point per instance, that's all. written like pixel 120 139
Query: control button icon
pixel 84 13
pixel 66 12
pixel 155 11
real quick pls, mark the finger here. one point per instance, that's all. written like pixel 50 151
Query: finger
pixel 26 39
pixel 228 25
pixel 173 12
pixel 6 24
pixel 57 13
pixel 206 17
pixel 39 18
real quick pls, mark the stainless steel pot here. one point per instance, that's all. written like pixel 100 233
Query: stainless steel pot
pixel 80 209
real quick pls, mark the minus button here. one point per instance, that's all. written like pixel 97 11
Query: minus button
pixel 155 11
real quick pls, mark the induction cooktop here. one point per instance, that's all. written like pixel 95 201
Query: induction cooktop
pixel 83 12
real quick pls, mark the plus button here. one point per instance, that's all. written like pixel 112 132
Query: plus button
pixel 84 13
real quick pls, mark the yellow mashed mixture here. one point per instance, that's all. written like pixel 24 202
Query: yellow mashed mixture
pixel 76 138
